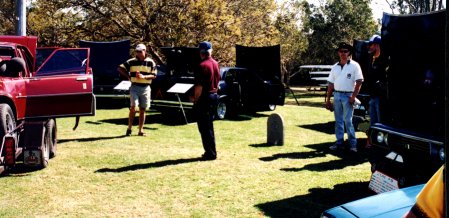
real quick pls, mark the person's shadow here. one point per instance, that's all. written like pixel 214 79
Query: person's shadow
pixel 320 199
pixel 149 165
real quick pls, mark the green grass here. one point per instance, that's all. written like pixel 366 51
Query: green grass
pixel 100 173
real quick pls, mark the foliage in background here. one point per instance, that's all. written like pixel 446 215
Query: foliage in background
pixel 307 33
pixel 416 6
pixel 164 23
pixel 7 20
pixel 293 40
pixel 335 21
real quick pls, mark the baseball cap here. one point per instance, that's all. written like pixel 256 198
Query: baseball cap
pixel 141 47
pixel 205 45
pixel 375 39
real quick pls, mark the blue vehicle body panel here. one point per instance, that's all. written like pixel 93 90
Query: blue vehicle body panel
pixel 390 204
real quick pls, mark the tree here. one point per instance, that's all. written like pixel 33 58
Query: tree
pixel 416 6
pixel 293 41
pixel 7 17
pixel 336 21
pixel 162 23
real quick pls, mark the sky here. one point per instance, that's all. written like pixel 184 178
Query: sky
pixel 378 7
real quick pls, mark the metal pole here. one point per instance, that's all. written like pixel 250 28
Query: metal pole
pixel 20 18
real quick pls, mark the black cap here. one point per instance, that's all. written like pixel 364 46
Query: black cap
pixel 344 45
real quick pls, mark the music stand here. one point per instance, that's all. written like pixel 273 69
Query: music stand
pixel 180 88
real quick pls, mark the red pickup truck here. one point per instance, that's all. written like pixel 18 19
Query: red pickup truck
pixel 31 97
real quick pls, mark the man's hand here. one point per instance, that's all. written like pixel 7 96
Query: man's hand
pixel 352 99
pixel 329 106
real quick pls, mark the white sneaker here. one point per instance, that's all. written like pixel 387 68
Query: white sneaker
pixel 353 149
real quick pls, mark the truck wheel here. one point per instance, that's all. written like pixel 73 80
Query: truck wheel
pixel 271 107
pixel 51 134
pixel 7 120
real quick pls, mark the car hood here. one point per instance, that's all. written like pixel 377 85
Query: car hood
pixel 389 204
pixel 105 57
pixel 265 61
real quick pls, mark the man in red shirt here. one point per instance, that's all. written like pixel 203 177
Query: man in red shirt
pixel 206 86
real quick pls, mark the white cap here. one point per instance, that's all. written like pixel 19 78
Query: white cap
pixel 141 47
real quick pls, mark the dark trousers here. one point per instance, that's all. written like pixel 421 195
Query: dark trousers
pixel 204 112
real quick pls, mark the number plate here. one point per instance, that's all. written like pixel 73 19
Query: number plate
pixel 381 182
pixel 32 157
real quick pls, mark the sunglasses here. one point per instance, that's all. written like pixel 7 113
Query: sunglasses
pixel 343 51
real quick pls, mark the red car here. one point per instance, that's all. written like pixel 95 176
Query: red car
pixel 31 98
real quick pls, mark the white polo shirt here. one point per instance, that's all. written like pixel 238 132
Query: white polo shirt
pixel 344 78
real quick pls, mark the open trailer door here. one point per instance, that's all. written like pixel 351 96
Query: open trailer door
pixel 265 62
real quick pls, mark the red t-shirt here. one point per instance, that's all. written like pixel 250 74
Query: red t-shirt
pixel 208 75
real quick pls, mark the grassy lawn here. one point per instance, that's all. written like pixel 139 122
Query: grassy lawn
pixel 100 173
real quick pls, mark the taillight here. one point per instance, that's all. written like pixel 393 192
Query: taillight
pixel 9 146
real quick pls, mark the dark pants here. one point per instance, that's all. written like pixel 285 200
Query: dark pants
pixel 204 112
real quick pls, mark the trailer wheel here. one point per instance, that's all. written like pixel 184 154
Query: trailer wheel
pixel 45 152
pixel 51 134
pixel 7 120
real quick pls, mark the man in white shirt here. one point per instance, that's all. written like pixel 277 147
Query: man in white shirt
pixel 345 80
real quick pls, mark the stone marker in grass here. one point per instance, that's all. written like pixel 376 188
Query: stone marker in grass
pixel 275 129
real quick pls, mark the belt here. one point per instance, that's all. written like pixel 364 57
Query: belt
pixel 140 84
pixel 343 91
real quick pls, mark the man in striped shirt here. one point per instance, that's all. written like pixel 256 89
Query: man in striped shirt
pixel 140 70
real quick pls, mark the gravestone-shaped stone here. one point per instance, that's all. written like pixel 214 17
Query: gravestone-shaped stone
pixel 275 130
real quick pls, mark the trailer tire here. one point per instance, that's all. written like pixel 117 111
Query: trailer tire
pixel 45 150
pixel 51 131
pixel 7 120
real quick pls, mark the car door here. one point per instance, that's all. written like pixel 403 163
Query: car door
pixel 62 86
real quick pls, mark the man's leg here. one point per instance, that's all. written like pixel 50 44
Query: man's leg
pixel 374 110
pixel 141 119
pixel 348 112
pixel 339 124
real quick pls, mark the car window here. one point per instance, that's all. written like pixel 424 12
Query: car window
pixel 65 62
pixel 6 51
pixel 28 60
pixel 42 54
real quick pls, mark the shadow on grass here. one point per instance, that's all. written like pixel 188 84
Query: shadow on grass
pixel 347 158
pixel 295 155
pixel 148 165
pixel 60 141
pixel 328 128
pixel 19 170
pixel 171 119
pixel 320 199
pixel 263 145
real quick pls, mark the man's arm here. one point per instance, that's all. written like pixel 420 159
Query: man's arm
pixel 358 85
pixel 330 89
pixel 198 89
pixel 123 72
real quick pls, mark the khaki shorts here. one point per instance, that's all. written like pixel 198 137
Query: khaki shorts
pixel 140 96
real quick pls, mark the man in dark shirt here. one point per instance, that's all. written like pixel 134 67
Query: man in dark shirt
pixel 206 86
pixel 375 80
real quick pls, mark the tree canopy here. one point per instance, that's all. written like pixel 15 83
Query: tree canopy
pixel 307 33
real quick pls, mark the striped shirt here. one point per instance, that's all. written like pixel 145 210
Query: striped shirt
pixel 145 67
